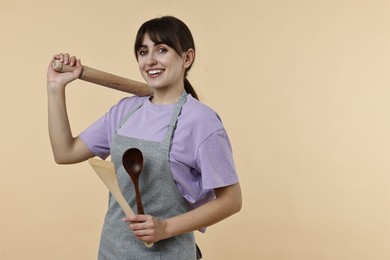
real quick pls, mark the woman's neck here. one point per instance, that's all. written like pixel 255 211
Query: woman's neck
pixel 165 97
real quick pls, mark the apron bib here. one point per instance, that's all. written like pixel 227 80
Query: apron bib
pixel 160 198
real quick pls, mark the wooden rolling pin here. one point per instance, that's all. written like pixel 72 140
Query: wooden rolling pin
pixel 107 80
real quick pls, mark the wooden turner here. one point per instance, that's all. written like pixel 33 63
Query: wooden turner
pixel 106 172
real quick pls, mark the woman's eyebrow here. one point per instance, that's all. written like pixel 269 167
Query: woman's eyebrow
pixel 154 44
pixel 143 46
pixel 158 43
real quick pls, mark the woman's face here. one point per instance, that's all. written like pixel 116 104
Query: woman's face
pixel 160 65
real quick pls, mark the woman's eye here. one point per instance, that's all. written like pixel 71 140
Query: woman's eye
pixel 162 50
pixel 142 52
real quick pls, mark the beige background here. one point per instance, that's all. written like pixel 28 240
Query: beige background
pixel 303 90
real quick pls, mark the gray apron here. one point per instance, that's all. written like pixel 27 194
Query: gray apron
pixel 160 198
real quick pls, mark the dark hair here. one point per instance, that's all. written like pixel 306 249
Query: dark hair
pixel 172 32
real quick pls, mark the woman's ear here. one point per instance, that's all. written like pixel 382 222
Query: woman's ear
pixel 189 57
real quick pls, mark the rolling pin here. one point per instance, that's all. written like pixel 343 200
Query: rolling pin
pixel 107 80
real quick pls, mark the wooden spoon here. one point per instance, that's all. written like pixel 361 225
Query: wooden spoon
pixel 133 162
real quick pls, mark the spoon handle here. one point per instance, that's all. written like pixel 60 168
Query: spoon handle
pixel 140 208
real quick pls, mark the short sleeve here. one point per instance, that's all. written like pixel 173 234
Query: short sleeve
pixel 215 161
pixel 97 136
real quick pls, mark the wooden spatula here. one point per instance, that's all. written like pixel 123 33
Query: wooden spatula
pixel 106 172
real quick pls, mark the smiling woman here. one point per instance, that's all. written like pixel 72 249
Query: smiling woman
pixel 162 68
pixel 166 36
pixel 188 180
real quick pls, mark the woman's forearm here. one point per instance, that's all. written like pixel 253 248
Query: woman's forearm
pixel 59 128
pixel 228 201
pixel 66 148
pixel 151 229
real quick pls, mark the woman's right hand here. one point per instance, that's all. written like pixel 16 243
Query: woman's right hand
pixel 61 79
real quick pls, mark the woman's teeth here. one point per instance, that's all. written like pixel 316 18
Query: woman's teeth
pixel 154 72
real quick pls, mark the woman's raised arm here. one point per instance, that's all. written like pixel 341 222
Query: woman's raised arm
pixel 66 148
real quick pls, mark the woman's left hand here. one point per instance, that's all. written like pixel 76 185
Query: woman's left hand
pixel 147 228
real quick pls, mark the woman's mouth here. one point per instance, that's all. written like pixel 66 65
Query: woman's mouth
pixel 155 72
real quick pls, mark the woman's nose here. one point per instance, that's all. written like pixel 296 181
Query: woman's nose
pixel 151 60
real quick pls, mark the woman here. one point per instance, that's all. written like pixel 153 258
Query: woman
pixel 188 181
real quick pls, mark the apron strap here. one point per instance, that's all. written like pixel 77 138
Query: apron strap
pixel 172 124
pixel 128 115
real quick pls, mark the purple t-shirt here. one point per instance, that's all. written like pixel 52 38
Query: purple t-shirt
pixel 200 156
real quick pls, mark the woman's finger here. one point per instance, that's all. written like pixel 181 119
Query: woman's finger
pixel 137 218
pixel 72 61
